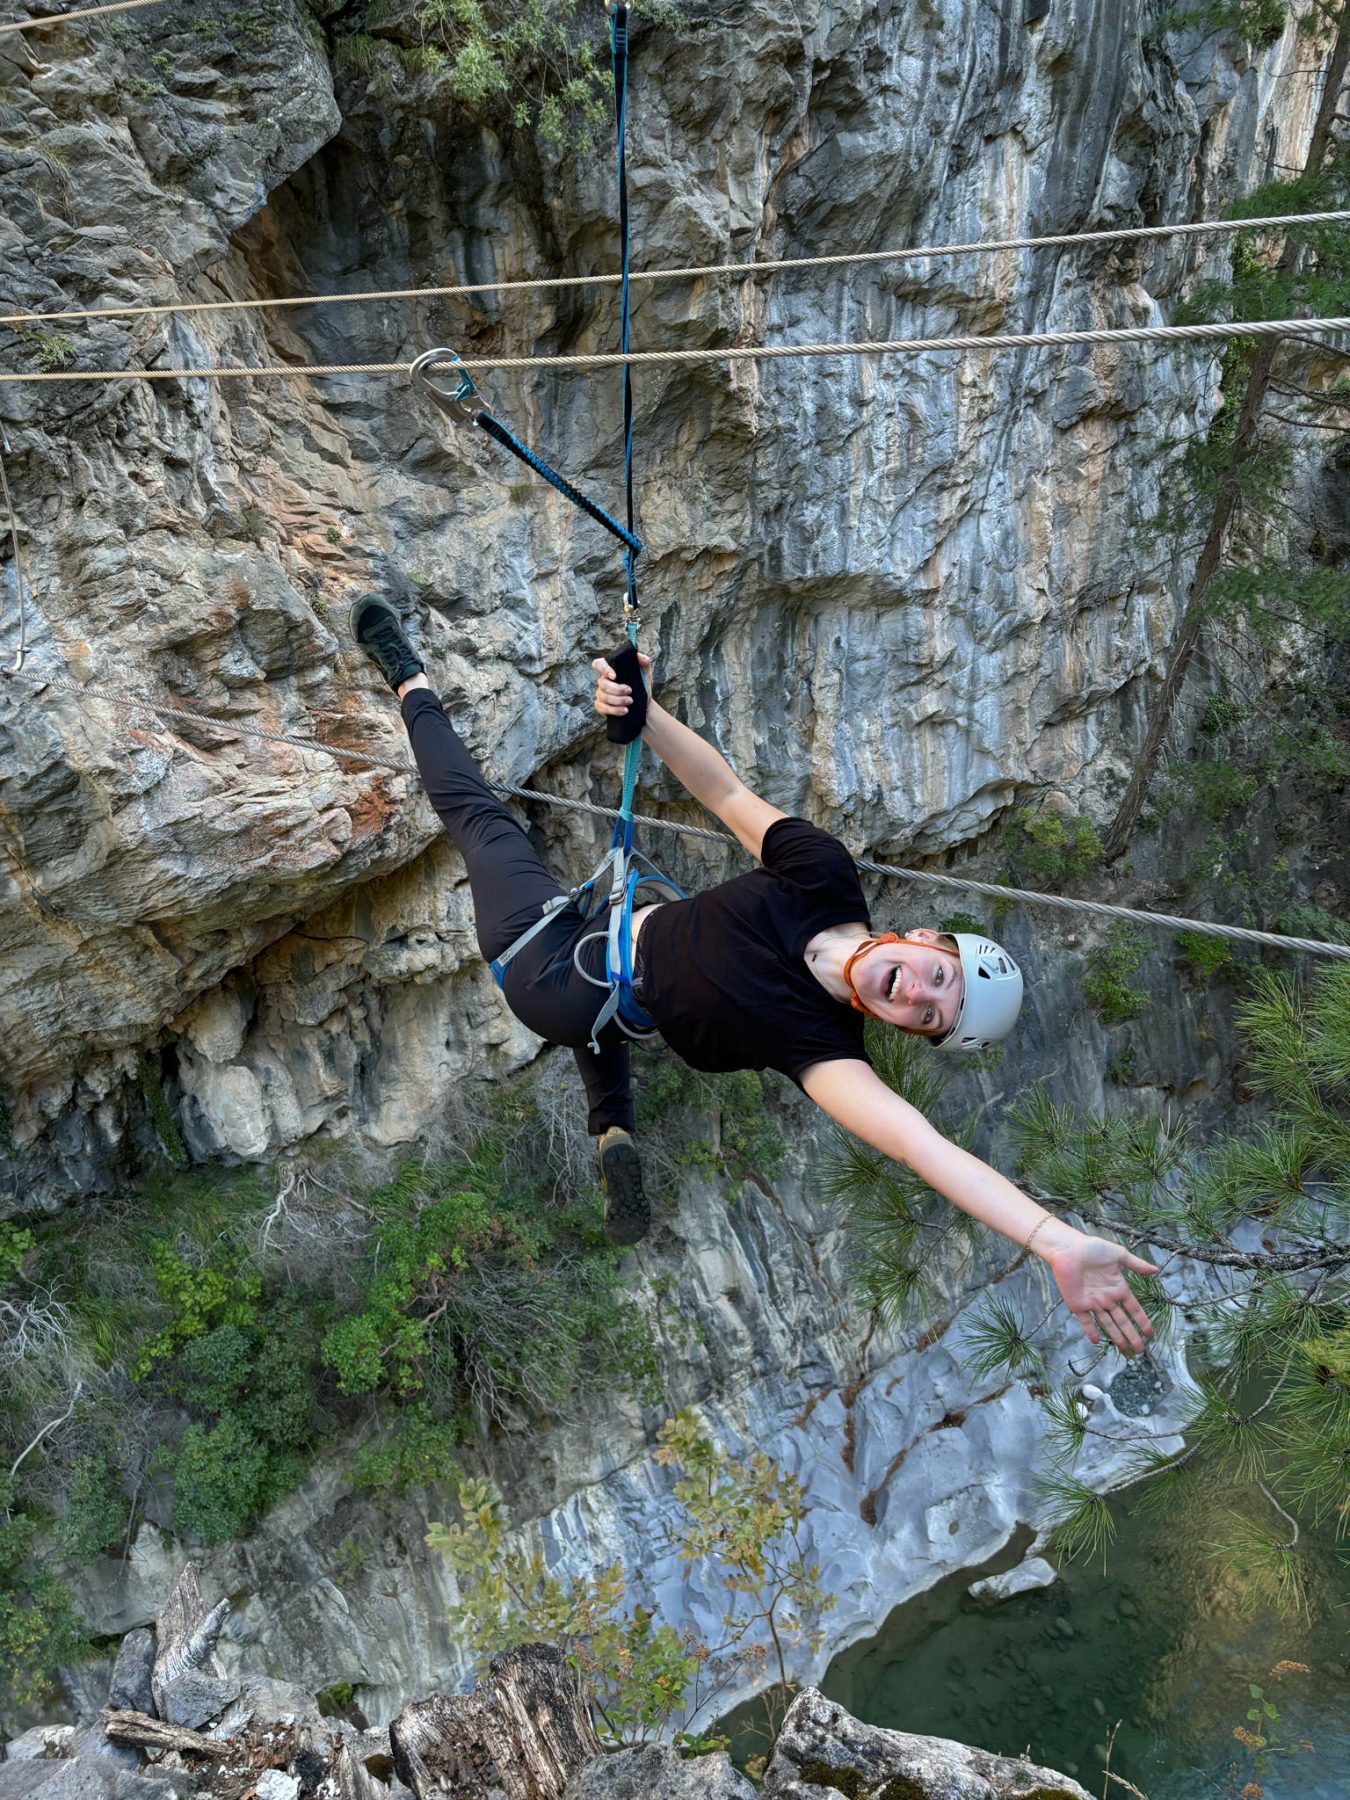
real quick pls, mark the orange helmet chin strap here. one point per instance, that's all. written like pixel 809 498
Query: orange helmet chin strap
pixel 866 948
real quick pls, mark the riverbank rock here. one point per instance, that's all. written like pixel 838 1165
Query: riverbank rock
pixel 89 1778
pixel 655 1772
pixel 822 1752
pixel 1034 1573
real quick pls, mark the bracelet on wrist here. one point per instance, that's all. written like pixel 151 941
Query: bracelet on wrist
pixel 1037 1228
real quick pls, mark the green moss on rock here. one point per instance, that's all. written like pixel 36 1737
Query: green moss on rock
pixel 903 1787
pixel 845 1781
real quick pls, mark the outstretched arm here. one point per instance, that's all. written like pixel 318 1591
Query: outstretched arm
pixel 1089 1271
pixel 703 771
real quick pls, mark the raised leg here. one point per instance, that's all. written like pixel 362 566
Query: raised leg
pixel 510 884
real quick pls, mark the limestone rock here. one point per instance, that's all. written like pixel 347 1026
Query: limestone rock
pixel 276 1784
pixel 41 1743
pixel 195 1698
pixel 820 1747
pixel 659 1773
pixel 1035 1572
pixel 96 1742
pixel 90 1778
pixel 655 1772
pixel 129 1689
pixel 904 596
pixel 263 1701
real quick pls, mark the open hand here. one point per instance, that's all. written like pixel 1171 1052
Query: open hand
pixel 1090 1273
pixel 612 698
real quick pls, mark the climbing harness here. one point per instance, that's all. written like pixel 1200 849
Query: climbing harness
pixel 624 872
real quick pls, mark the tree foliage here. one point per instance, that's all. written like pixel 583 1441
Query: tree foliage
pixel 224 1330
pixel 537 66
pixel 742 1522
pixel 1258 22
pixel 1259 1222
pixel 39 1626
pixel 1229 507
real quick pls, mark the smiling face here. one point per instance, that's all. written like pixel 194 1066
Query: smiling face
pixel 915 984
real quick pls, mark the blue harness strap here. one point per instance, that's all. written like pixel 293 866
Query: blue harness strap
pixel 495 429
pixel 618 44
pixel 442 376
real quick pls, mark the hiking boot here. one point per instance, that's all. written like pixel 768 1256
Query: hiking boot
pixel 627 1215
pixel 378 629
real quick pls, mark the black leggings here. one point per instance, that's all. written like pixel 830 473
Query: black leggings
pixel 510 890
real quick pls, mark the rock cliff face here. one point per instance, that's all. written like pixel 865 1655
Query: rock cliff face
pixel 903 595
pixel 914 1466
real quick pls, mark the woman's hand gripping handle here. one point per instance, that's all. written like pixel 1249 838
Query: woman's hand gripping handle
pixel 621 692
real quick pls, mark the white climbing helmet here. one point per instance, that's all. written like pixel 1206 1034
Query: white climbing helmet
pixel 991 994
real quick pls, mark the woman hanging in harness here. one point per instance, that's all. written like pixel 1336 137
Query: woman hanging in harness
pixel 773 969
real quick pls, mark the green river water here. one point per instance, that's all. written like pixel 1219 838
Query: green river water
pixel 1158 1643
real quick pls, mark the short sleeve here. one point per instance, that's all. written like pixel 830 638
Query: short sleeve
pixel 805 855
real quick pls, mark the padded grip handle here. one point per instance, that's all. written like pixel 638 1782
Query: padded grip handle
pixel 628 670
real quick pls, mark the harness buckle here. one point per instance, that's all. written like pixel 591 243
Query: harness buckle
pixel 462 400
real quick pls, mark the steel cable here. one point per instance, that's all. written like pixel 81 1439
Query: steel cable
pixel 71 18
pixel 1271 940
pixel 846 259
pixel 1020 340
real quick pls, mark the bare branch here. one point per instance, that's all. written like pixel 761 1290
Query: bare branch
pixel 51 1425
pixel 1326 1256
pixel 1289 1519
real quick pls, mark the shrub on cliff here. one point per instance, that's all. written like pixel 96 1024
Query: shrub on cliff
pixel 39 1626
pixel 224 1329
pixel 740 1523
pixel 538 65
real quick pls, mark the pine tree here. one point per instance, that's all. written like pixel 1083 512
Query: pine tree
pixel 1240 471
pixel 1261 1221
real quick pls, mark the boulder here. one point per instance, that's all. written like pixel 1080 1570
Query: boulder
pixel 261 1701
pixel 195 1698
pixel 1034 1573
pixel 129 1688
pixel 822 1752
pixel 655 1772
pixel 42 1743
pixel 90 1778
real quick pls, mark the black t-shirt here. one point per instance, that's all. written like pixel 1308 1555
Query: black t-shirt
pixel 722 974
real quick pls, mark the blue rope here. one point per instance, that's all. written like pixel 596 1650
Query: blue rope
pixel 618 40
pixel 495 429
pixel 618 34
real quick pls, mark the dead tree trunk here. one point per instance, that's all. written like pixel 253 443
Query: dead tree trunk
pixel 185 1634
pixel 145 1733
pixel 1229 495
pixel 351 1781
pixel 527 1727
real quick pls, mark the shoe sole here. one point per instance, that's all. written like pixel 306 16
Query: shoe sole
pixel 628 1217
pixel 359 606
